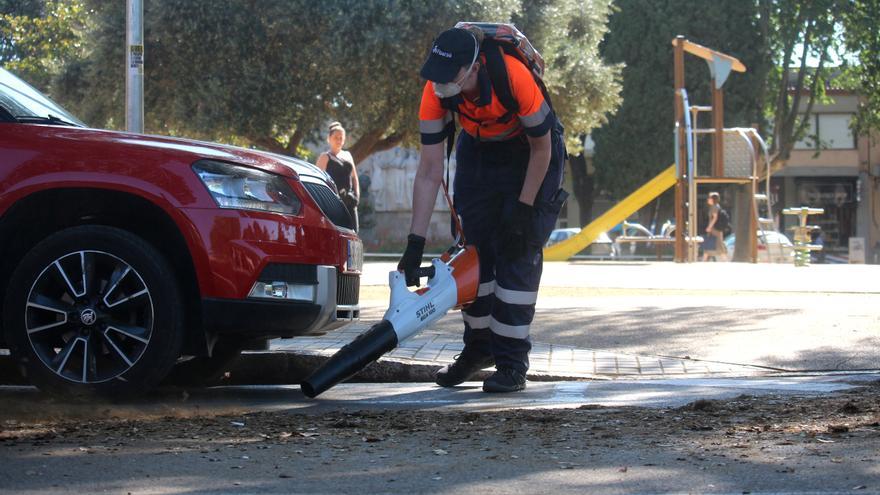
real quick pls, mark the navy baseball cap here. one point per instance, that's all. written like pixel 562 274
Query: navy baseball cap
pixel 451 51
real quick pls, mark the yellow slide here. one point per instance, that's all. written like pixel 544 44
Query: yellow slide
pixel 618 213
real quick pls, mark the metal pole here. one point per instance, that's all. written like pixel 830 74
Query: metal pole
pixel 681 185
pixel 718 124
pixel 134 66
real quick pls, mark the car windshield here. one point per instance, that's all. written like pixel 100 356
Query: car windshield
pixel 24 102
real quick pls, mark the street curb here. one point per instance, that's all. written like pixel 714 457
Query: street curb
pixel 288 368
pixel 282 367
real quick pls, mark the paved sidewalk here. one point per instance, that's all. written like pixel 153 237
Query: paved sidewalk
pixel 654 320
pixel 748 277
pixel 436 348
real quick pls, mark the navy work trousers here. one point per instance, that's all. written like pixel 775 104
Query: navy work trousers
pixel 488 181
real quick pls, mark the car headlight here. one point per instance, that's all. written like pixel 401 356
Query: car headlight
pixel 243 188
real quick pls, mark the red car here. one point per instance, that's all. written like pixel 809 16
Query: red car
pixel 125 255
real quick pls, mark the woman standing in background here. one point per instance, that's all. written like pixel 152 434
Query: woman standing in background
pixel 339 164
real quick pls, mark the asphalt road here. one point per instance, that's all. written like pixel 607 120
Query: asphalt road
pixel 806 435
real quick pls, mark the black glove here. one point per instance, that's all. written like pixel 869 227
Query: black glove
pixel 412 259
pixel 516 230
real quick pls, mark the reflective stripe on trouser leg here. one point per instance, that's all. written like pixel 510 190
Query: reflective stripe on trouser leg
pixel 516 292
pixel 516 308
pixel 477 316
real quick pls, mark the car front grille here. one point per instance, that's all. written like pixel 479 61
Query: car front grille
pixel 348 288
pixel 330 204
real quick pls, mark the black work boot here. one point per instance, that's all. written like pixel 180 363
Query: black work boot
pixel 465 366
pixel 505 380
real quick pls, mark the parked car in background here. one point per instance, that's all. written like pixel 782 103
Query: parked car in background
pixel 124 255
pixel 773 247
pixel 602 246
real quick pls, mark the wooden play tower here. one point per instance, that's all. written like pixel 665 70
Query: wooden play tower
pixel 739 157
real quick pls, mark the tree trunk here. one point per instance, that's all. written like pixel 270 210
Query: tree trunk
pixel 369 144
pixel 776 164
pixel 295 139
pixel 582 183
pixel 386 143
pixel 363 147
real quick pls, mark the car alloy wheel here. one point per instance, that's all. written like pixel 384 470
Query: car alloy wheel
pixel 89 316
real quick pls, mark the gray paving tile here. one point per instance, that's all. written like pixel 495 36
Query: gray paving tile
pixel 563 360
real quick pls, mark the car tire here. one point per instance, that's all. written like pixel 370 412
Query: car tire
pixel 94 311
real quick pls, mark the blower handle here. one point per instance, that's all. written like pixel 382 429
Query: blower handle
pixel 425 271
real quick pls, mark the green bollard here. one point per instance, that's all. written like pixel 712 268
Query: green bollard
pixel 802 246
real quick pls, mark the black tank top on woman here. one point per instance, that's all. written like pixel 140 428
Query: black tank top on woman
pixel 340 171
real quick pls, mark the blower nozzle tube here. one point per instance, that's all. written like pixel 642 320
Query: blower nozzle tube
pixel 449 285
pixel 353 357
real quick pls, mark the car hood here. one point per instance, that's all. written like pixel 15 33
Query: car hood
pixel 190 150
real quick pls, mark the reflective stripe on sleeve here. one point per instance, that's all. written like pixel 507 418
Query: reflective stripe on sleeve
pixel 510 296
pixel 511 331
pixel 434 126
pixel 536 118
pixel 476 321
pixel 486 288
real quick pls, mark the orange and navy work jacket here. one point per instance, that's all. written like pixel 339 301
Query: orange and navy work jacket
pixel 480 118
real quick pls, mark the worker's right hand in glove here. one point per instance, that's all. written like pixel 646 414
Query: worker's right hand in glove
pixel 412 259
pixel 515 231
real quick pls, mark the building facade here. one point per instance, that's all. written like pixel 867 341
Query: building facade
pixel 833 169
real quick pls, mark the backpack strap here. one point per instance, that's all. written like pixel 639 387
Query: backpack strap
pixel 497 70
pixel 495 51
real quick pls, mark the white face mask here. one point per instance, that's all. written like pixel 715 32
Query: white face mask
pixel 450 89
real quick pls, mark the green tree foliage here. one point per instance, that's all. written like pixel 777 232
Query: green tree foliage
pixel 637 143
pixel 38 36
pixel 371 54
pixel 862 39
pixel 584 88
pixel 798 32
pixel 270 73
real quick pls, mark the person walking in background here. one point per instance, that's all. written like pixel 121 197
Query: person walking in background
pixel 339 164
pixel 718 221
